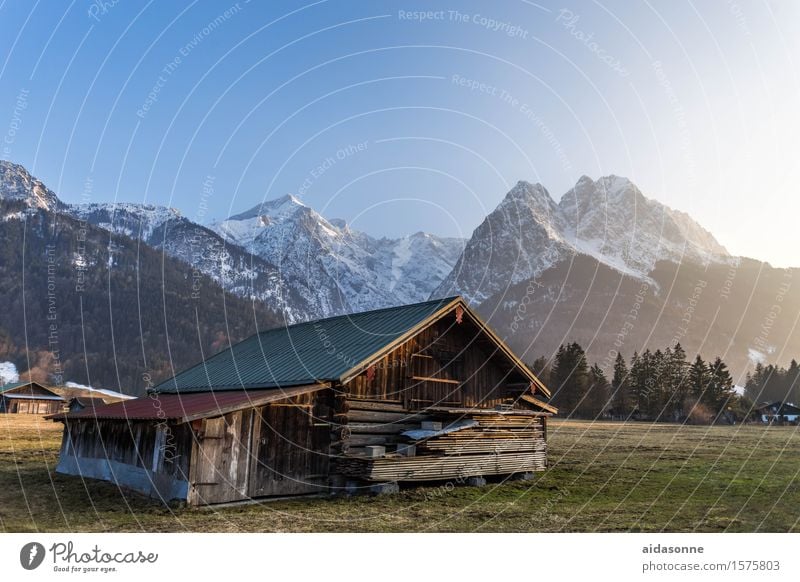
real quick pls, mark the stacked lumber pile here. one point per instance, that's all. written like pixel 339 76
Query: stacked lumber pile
pixel 496 444
pixel 362 423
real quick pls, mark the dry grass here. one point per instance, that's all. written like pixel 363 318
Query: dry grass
pixel 604 477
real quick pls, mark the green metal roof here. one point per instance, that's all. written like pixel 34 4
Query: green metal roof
pixel 12 385
pixel 305 353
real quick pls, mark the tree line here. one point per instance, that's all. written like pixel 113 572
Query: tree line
pixel 774 384
pixel 660 385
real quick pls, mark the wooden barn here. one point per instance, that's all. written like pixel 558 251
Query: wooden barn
pixel 29 398
pixel 422 392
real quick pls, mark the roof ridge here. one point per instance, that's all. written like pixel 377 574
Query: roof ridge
pixel 443 301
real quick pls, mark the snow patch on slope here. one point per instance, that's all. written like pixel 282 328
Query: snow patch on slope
pixel 608 219
pixel 8 373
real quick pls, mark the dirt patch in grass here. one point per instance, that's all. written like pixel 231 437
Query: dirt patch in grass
pixel 603 477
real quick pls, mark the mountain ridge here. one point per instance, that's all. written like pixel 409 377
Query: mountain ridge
pixel 592 253
pixel 528 232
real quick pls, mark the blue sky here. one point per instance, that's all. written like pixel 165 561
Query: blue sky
pixel 401 122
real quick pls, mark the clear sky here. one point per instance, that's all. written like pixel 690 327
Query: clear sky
pixel 398 121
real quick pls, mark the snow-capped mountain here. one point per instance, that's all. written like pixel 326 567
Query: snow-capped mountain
pixel 603 248
pixel 522 237
pixel 234 268
pixel 611 220
pixel 16 183
pixel 608 219
pixel 337 269
pixel 414 265
pixel 281 252
pixel 125 313
pixel 138 221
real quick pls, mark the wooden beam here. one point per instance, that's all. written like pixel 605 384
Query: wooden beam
pixel 440 380
pixel 536 402
pixel 482 411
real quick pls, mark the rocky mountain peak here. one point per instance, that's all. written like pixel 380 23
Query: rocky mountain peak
pixel 16 183
pixel 285 205
pixel 530 194
pixel 611 220
pixel 608 219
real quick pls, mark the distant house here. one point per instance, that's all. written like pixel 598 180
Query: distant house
pixel 29 398
pixel 420 392
pixel 778 412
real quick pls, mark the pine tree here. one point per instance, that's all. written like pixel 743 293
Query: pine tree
pixel 642 381
pixel 620 384
pixel 541 368
pixel 793 382
pixel 756 381
pixel 695 410
pixel 559 376
pixel 720 389
pixel 679 382
pixel 569 377
pixel 634 382
pixel 658 393
pixel 698 379
pixel 598 396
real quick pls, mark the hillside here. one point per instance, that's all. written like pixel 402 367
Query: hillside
pixel 101 309
pixel 714 310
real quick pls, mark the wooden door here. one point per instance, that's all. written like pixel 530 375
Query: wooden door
pixel 292 451
pixel 220 467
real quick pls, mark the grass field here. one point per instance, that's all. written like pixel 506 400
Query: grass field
pixel 603 477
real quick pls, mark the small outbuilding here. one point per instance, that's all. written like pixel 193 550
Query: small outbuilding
pixel 29 398
pixel 422 392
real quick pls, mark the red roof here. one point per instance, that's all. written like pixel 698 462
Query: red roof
pixel 186 407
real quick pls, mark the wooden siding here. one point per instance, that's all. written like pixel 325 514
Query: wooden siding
pixel 447 364
pixel 158 447
pixel 292 451
pixel 32 406
pixel 277 449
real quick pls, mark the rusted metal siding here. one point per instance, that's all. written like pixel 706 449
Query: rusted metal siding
pixel 185 406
